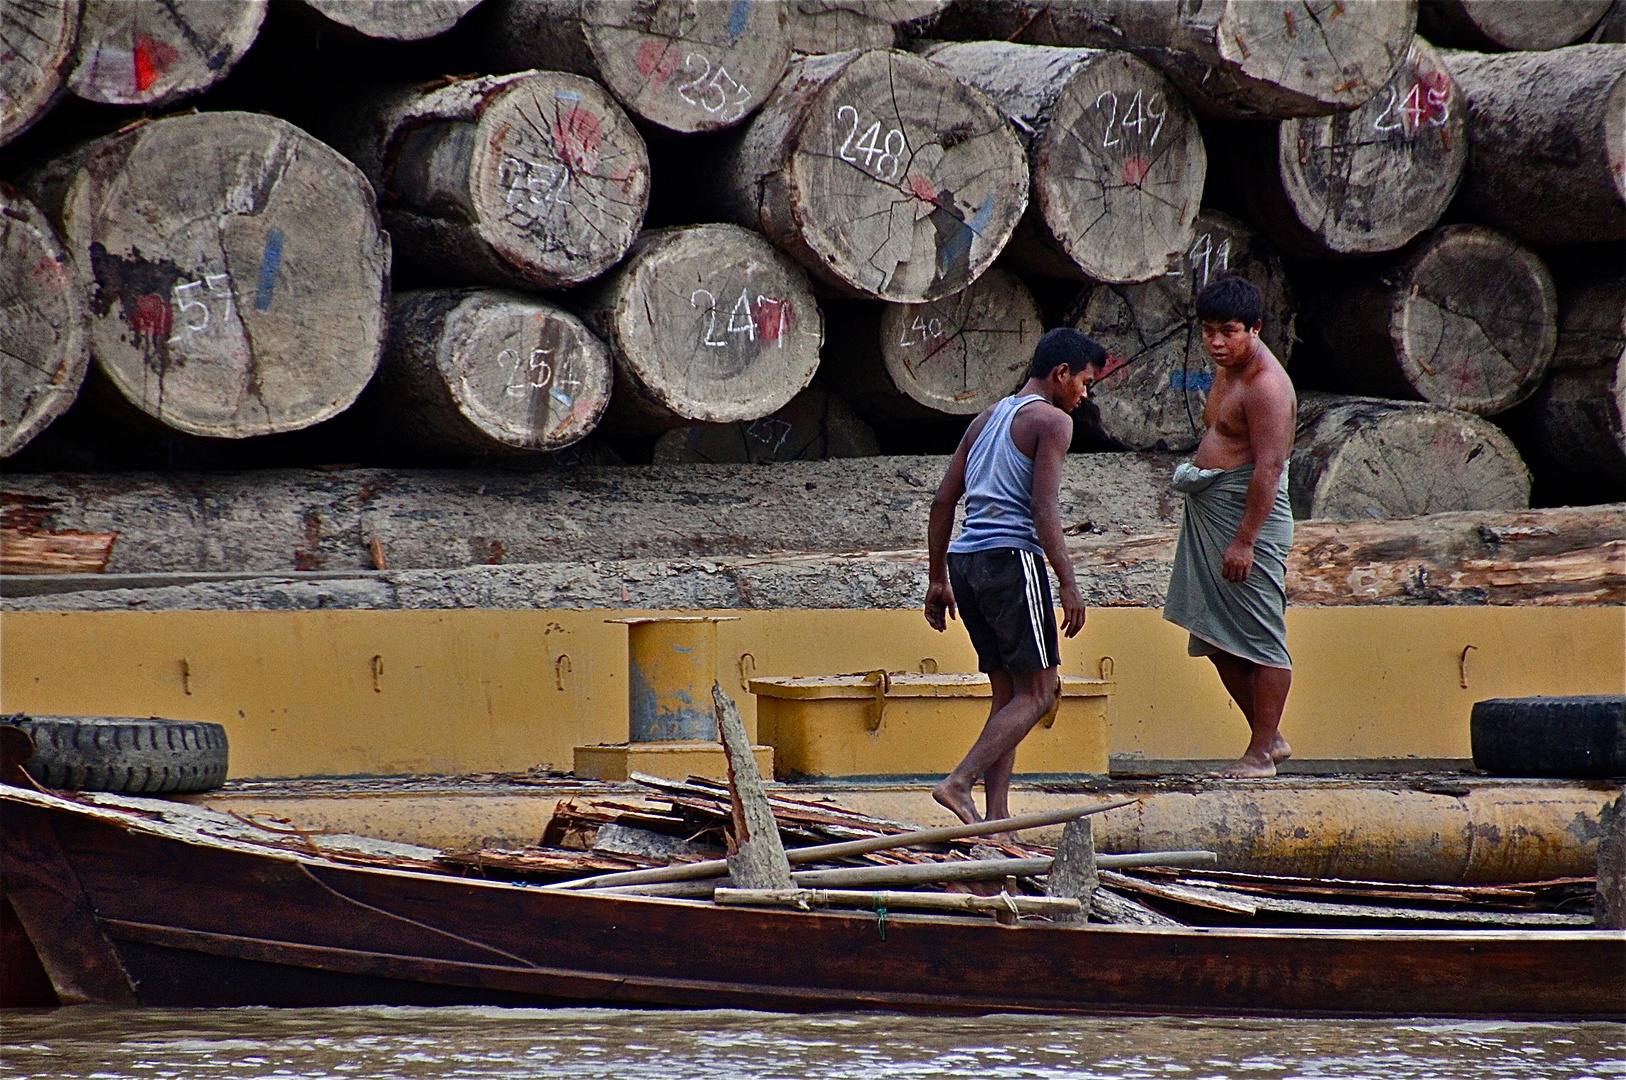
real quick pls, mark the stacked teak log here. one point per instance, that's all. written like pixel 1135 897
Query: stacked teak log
pixel 714 232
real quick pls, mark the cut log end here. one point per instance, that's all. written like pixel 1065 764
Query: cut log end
pixel 1280 59
pixel 815 425
pixel 1370 458
pixel 1117 161
pixel 960 354
pixel 44 337
pixel 484 371
pixel 36 41
pixel 1496 25
pixel 396 20
pixel 152 54
pixel 1475 324
pixel 1372 179
pixel 236 277
pixel 706 323
pixel 691 67
pixel 1159 371
pixel 559 178
pixel 881 173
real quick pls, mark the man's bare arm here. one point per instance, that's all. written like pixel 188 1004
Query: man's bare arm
pixel 1050 455
pixel 940 528
pixel 1270 413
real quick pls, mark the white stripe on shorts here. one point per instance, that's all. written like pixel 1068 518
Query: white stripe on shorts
pixel 1030 573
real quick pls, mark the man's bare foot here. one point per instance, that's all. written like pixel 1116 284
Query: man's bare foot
pixel 1247 766
pixel 1280 751
pixel 958 801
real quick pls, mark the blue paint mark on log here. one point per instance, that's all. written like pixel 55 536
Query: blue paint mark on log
pixel 567 95
pixel 960 246
pixel 270 267
pixel 1191 380
pixel 739 17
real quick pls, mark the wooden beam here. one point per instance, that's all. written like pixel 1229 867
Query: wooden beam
pixel 1073 874
pixel 758 859
pixel 52 906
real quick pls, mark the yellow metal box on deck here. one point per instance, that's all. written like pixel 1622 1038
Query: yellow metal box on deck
pixel 878 724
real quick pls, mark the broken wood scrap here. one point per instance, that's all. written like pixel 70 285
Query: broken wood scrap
pixel 1107 906
pixel 550 864
pixel 1533 895
pixel 1272 908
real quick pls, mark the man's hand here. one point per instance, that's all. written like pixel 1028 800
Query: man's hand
pixel 1072 610
pixel 940 605
pixel 1238 562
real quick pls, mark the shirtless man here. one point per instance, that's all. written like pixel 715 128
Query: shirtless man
pixel 1008 467
pixel 1228 587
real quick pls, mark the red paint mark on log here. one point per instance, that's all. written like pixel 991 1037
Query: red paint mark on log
pixel 580 134
pixel 1113 365
pixel 51 274
pixel 152 318
pixel 922 188
pixel 657 60
pixel 152 59
pixel 772 318
pixel 1292 31
pixel 1350 85
pixel 1135 170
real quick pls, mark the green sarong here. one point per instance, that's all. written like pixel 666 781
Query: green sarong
pixel 1248 618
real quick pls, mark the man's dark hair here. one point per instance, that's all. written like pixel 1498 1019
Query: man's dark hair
pixel 1230 297
pixel 1064 345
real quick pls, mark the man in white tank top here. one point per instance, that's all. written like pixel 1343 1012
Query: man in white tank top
pixel 1008 468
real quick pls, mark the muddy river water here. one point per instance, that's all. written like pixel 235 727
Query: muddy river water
pixel 463 1043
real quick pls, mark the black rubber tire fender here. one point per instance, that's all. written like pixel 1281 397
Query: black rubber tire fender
pixel 125 754
pixel 1583 737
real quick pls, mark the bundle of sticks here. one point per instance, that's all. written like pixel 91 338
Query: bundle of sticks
pixel 671 838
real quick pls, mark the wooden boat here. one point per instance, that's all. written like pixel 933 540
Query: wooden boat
pixel 152 902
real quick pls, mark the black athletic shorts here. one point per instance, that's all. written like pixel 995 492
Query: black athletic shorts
pixel 1004 600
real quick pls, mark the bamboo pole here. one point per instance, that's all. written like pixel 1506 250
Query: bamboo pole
pixel 861 898
pixel 913 873
pixel 818 852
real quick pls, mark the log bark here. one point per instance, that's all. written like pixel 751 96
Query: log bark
pixel 956 356
pixel 1498 25
pixel 1234 58
pixel 535 180
pixel 1370 458
pixel 684 67
pixel 756 859
pixel 44 324
pixel 153 54
pixel 831 26
pixel 1159 371
pixel 1546 136
pixel 482 371
pixel 706 323
pixel 881 173
pixel 395 20
pixel 278 520
pixel 36 46
pixel 1468 320
pixel 1356 183
pixel 234 266
pixel 1114 155
pixel 1570 431
pixel 815 425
